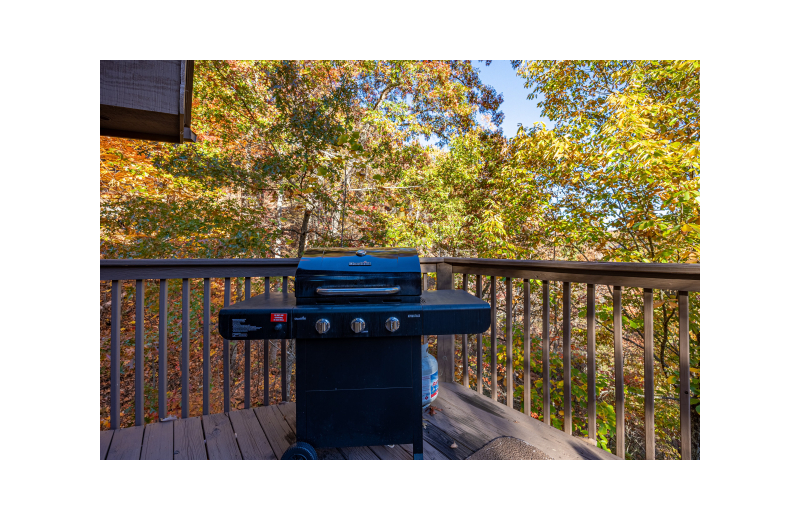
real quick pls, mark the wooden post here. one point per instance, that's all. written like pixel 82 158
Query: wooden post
pixel 446 342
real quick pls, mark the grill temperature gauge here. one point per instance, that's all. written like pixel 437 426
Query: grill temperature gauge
pixel 392 324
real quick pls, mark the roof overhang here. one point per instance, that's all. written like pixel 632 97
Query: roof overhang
pixel 147 99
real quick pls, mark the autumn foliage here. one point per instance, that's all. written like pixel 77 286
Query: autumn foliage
pixel 293 154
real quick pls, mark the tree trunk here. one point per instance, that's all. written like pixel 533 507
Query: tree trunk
pixel 303 233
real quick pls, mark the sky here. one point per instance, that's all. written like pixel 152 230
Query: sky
pixel 516 107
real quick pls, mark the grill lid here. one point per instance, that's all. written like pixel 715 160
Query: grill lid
pixel 344 273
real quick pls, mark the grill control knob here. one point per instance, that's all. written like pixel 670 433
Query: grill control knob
pixel 392 324
pixel 322 326
pixel 358 325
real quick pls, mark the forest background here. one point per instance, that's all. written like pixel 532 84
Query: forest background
pixel 295 154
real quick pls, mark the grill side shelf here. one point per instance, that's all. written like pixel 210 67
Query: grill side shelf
pixel 452 311
pixel 260 317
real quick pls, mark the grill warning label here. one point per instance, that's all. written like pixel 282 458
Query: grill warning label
pixel 240 329
pixel 277 317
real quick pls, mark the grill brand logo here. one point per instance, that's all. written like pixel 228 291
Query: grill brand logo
pixel 360 263
pixel 413 315
pixel 300 318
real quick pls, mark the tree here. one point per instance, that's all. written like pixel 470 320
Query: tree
pixel 285 147
pixel 622 169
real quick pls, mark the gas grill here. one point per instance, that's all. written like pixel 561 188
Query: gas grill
pixel 357 316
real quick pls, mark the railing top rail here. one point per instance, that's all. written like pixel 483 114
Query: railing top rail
pixel 678 277
pixel 130 269
pixel 684 277
pixel 687 270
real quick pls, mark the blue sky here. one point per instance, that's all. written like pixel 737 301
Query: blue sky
pixel 516 107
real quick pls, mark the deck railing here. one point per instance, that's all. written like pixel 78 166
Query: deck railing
pixel 682 278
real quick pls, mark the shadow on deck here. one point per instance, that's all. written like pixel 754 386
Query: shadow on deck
pixel 466 418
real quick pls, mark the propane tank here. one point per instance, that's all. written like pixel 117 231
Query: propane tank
pixel 430 377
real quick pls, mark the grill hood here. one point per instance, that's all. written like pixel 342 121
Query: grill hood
pixel 340 275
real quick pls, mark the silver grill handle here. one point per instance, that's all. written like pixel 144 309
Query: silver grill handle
pixel 357 291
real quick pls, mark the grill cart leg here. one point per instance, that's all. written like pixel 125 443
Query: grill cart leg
pixel 416 363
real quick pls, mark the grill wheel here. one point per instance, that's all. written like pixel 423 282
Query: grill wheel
pixel 300 451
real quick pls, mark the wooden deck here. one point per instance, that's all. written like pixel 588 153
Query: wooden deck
pixel 467 419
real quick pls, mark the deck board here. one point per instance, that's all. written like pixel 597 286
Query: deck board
pixel 395 453
pixel 220 438
pixel 275 426
pixel 189 441
pixel 442 441
pixel 358 453
pixel 105 442
pixel 467 434
pixel 157 444
pixel 466 418
pixel 126 444
pixel 253 441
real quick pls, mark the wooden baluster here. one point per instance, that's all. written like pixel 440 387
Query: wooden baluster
pixel 649 390
pixel 247 352
pixel 116 312
pixel 464 339
pixel 284 387
pixel 566 351
pixel 685 375
pixel 185 351
pixel 526 324
pixel 163 302
pixel 206 344
pixel 425 288
pixel 618 372
pixel 226 356
pixel 546 351
pixel 266 352
pixel 479 346
pixel 493 361
pixel 591 362
pixel 139 355
pixel 509 342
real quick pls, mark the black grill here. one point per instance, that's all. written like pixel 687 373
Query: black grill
pixel 357 316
